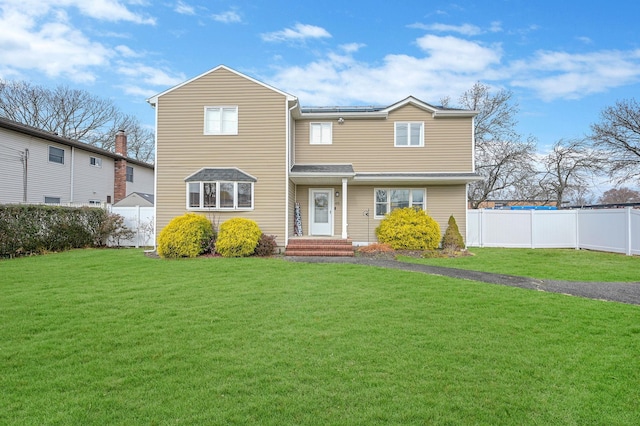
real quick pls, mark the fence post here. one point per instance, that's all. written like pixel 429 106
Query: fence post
pixel 628 224
pixel 577 214
pixel 137 226
pixel 531 230
pixel 481 226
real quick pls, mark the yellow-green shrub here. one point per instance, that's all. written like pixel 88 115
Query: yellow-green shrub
pixel 409 229
pixel 238 237
pixel 185 236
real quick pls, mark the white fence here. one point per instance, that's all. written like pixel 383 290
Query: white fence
pixel 613 230
pixel 140 221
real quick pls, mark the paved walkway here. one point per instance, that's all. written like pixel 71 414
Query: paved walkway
pixel 616 292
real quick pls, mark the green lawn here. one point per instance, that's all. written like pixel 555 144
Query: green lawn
pixel 556 264
pixel 113 337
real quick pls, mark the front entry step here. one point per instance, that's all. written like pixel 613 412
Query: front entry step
pixel 319 247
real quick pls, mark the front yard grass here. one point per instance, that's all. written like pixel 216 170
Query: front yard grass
pixel 113 337
pixel 553 264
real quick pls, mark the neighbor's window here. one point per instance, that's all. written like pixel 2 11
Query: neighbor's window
pixel 52 200
pixel 220 195
pixel 389 199
pixel 320 133
pixel 56 155
pixel 129 174
pixel 95 161
pixel 409 134
pixel 221 120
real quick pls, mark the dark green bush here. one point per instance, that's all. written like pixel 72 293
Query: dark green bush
pixel 266 245
pixel 452 239
pixel 188 235
pixel 35 229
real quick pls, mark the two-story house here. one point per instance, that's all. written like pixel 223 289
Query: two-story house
pixel 39 167
pixel 228 145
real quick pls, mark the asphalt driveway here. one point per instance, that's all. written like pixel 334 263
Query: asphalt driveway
pixel 615 292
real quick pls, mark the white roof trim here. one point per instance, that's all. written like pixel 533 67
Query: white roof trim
pixel 153 100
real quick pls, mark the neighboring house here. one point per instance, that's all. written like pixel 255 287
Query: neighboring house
pixel 228 145
pixel 40 167
pixel 507 204
pixel 136 199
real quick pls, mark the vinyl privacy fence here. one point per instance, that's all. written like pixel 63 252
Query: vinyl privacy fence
pixel 140 221
pixel 612 230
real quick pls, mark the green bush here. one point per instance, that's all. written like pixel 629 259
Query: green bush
pixel 185 236
pixel 452 239
pixel 238 237
pixel 30 229
pixel 409 229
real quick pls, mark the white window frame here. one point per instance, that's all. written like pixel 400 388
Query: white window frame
pixel 49 155
pixel 95 162
pixel 127 174
pixel 217 206
pixel 409 125
pixel 220 129
pixel 325 130
pixel 387 203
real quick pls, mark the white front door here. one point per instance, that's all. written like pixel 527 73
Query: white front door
pixel 321 212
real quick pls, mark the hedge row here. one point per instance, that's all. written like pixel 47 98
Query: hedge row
pixel 27 229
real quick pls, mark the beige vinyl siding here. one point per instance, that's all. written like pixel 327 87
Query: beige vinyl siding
pixel 442 201
pixel 259 149
pixel 369 144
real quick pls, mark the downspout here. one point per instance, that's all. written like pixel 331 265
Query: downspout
pixel 155 177
pixel 25 173
pixel 288 167
pixel 73 153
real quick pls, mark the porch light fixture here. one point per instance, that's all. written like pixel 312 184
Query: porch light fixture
pixel 340 120
pixel 337 194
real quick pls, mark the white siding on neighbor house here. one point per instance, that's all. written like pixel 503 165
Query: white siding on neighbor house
pixel 92 182
pixel 48 179
pixel 43 177
pixel 142 180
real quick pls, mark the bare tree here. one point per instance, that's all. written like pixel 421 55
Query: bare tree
pixel 502 157
pixel 75 114
pixel 618 134
pixel 619 196
pixel 569 167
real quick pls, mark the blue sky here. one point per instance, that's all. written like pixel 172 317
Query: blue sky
pixel 564 61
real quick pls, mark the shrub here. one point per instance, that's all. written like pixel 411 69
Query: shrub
pixel 409 229
pixel 452 239
pixel 238 237
pixel 266 245
pixel 185 236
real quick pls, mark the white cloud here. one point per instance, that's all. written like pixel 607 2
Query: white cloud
pixel 152 76
pixel 228 17
pixel 298 33
pixel 351 47
pixel 554 75
pixel 39 36
pixel 465 29
pixel 184 9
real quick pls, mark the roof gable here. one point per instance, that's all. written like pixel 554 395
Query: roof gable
pixel 154 99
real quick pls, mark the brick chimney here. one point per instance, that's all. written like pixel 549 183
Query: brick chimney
pixel 120 177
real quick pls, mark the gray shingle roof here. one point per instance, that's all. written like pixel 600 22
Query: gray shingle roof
pixel 216 174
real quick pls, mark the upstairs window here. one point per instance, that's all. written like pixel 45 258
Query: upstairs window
pixel 221 120
pixel 389 199
pixel 409 134
pixel 129 174
pixel 320 134
pixel 56 155
pixel 95 161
